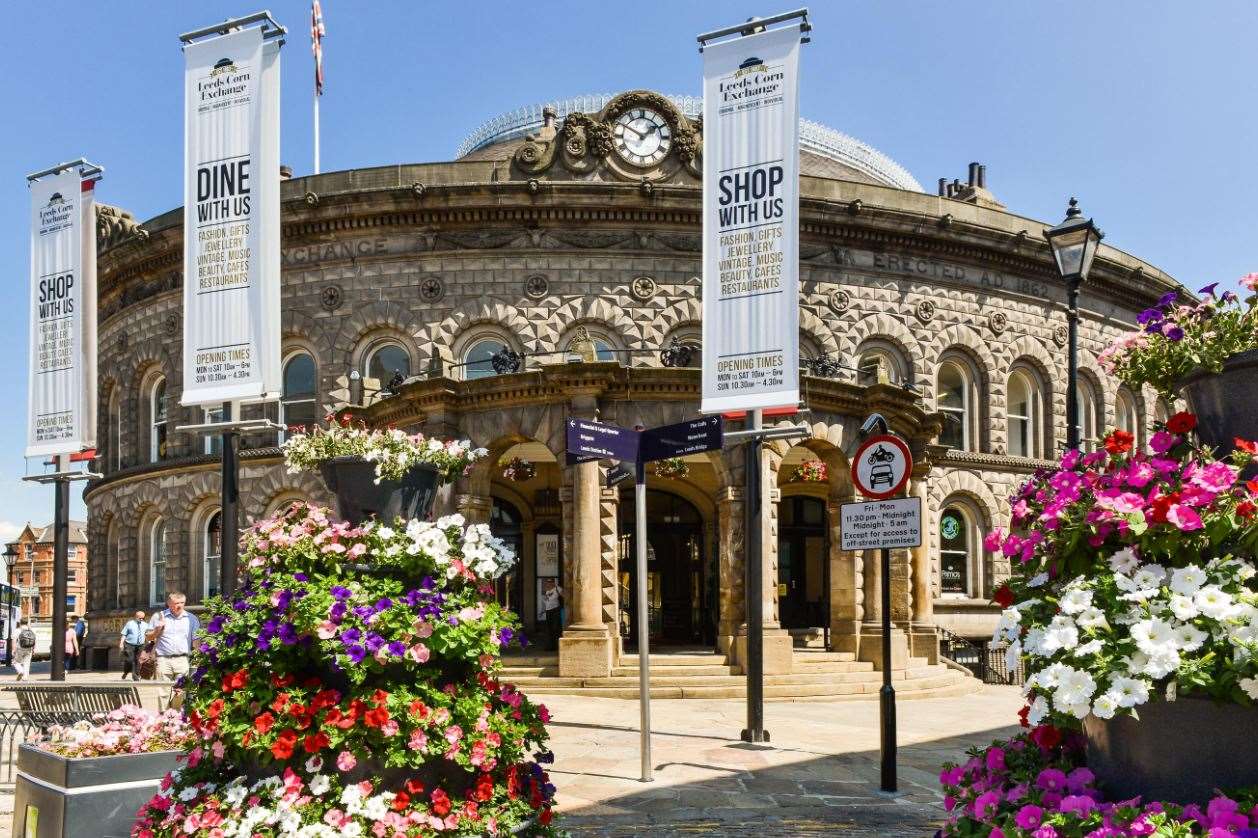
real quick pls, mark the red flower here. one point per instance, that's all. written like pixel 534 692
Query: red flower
pixel 1046 737
pixel 235 680
pixel 1119 442
pixel 263 723
pixel 376 717
pixel 280 702
pixel 1003 596
pixel 315 742
pixel 400 801
pixel 335 718
pixel 1246 509
pixel 1181 423
pixel 301 716
pixel 379 697
pixel 324 698
pixel 440 803
pixel 279 681
pixel 215 709
pixel 418 709
pixel 545 817
pixel 356 708
pixel 1252 486
pixel 1246 446
pixel 414 786
pixel 1023 714
pixel 283 746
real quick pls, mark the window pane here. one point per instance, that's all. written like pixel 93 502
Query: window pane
pixel 300 414
pixel 385 362
pixel 158 563
pixel 299 377
pixel 159 401
pixel 954 552
pixel 478 358
pixel 951 388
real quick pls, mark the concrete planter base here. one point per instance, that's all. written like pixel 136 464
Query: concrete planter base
pixel 1178 751
pixel 59 797
pixel 359 496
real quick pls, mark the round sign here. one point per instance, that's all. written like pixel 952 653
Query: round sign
pixel 881 466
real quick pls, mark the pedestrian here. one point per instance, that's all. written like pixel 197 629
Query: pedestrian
pixel 172 630
pixel 130 642
pixel 552 605
pixel 72 646
pixel 80 628
pixel 25 649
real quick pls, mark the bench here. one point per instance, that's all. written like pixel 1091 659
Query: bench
pixel 66 703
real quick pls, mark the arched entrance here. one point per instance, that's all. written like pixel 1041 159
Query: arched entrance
pixel 803 551
pixel 679 612
pixel 506 523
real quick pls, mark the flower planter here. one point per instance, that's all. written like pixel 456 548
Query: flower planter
pixel 359 496
pixel 98 796
pixel 1181 751
pixel 1224 402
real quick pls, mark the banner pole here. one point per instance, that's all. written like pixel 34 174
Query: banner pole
pixel 60 568
pixel 644 628
pixel 886 696
pixel 231 495
pixel 316 133
pixel 754 574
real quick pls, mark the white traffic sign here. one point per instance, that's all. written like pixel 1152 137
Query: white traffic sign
pixel 881 466
pixel 879 524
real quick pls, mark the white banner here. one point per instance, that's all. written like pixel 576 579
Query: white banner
pixel 61 399
pixel 231 329
pixel 751 222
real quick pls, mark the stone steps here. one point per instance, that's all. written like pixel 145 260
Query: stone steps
pixel 948 684
pixel 672 678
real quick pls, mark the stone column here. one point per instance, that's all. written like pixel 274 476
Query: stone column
pixel 924 641
pixel 730 607
pixel 846 593
pixel 778 651
pixel 585 649
pixel 475 508
pixel 871 630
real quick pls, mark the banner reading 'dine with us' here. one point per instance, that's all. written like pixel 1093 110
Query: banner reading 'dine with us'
pixel 751 222
pixel 62 384
pixel 231 219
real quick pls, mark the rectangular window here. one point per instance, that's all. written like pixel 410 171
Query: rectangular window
pixel 71 602
pixel 213 443
pixel 71 574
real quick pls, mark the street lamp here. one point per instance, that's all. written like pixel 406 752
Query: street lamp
pixel 1074 242
pixel 10 558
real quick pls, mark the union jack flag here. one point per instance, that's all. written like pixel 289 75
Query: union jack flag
pixel 316 43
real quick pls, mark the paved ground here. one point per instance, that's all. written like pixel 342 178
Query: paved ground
pixel 818 775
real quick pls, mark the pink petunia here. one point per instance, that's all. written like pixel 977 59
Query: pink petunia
pixel 345 761
pixel 1161 442
pixel 1029 817
pixel 1184 517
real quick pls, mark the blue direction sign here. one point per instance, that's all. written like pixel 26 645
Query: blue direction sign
pixel 693 437
pixel 600 441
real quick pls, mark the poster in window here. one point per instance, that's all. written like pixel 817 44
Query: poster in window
pixel 954 553
pixel 547 585
pixel 547 554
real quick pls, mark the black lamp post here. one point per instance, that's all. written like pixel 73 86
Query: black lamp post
pixel 1074 242
pixel 10 557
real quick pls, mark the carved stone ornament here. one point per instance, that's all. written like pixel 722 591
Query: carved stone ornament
pixel 330 297
pixel 123 342
pixel 583 143
pixel 840 301
pixel 536 287
pixel 998 322
pixel 1060 335
pixel 583 346
pixel 643 288
pixel 115 225
pixel 431 289
pixel 925 311
pixel 172 324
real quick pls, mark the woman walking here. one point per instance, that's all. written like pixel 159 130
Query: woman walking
pixel 24 649
pixel 72 646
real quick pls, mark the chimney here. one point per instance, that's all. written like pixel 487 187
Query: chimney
pixel 549 115
pixel 973 175
pixel 286 172
pixel 982 177
pixel 943 187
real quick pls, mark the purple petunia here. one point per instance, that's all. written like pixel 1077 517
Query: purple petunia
pixel 340 592
pixel 504 636
pixel 1168 299
pixel 337 612
pixel 356 653
pixel 363 611
pixel 288 634
pixel 1149 315
pixel 397 648
pixel 301 577
pixel 351 636
pixel 1209 289
pixel 1174 333
pixel 383 604
pixel 215 625
pixel 374 642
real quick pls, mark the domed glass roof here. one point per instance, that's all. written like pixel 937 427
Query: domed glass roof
pixel 813 137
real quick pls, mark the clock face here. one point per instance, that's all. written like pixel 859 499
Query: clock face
pixel 642 137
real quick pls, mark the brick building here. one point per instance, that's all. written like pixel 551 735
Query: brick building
pixel 30 570
pixel 540 275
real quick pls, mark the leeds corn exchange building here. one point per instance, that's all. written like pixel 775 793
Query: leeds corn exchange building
pixel 552 270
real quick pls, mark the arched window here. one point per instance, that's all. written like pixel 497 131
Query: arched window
pixel 880 361
pixel 478 359
pixel 386 360
pixel 1089 414
pixel 297 401
pixel 1025 413
pixel 603 348
pixel 953 400
pixel 157 420
pixel 211 555
pixel 958 568
pixel 157 562
pixel 1125 416
pixel 113 431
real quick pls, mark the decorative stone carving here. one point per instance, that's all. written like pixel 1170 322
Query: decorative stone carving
pixel 1060 335
pixel 536 287
pixel 431 289
pixel 172 324
pixel 330 297
pixel 123 342
pixel 998 321
pixel 115 225
pixel 643 288
pixel 925 311
pixel 582 346
pixel 840 301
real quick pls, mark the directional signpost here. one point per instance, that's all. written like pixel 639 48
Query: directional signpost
pixel 880 469
pixel 588 441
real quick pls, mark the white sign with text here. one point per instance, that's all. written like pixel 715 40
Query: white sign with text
pixel 877 524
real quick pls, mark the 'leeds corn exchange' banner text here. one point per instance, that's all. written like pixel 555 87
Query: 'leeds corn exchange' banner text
pixel 231 282
pixel 62 389
pixel 751 222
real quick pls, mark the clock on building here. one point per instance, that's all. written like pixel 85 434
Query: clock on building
pixel 642 137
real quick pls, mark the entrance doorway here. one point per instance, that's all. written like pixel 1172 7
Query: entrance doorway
pixel 505 523
pixel 803 569
pixel 678 611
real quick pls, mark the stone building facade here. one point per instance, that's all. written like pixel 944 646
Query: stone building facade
pixel 542 275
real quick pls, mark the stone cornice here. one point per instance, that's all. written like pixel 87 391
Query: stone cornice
pixel 952 457
pixel 181 465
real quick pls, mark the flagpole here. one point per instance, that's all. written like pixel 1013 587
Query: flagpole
pixel 316 133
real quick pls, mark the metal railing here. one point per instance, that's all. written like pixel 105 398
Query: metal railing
pixel 986 660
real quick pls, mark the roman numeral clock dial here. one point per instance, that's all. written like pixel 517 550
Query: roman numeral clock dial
pixel 642 137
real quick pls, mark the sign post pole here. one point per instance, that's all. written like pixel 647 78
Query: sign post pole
pixel 644 628
pixel 60 568
pixel 231 497
pixel 754 575
pixel 886 696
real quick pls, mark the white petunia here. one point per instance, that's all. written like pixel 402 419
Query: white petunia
pixel 1090 648
pixel 1214 602
pixel 376 808
pixel 1075 600
pixel 1013 655
pixel 1183 607
pixel 1074 686
pixel 1153 636
pixel 1091 618
pixel 1049 675
pixel 1037 580
pixel 1250 686
pixel 1129 691
pixel 1162 664
pixel 1149 576
pixel 1060 634
pixel 1038 711
pixel 319 784
pixel 1189 638
pixel 1105 706
pixel 1188 580
pixel 1124 561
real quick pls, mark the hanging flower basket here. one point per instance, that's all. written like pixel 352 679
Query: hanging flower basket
pixel 673 468
pixel 519 470
pixel 810 471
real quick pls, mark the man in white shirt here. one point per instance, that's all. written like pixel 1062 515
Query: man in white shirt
pixel 173 631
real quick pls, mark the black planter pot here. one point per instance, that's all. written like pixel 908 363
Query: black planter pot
pixel 1224 402
pixel 359 497
pixel 1179 751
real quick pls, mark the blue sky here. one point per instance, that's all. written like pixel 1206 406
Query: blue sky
pixel 1143 109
